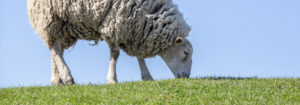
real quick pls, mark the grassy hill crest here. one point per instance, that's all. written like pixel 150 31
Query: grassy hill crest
pixel 217 90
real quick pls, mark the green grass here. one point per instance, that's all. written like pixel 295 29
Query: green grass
pixel 179 91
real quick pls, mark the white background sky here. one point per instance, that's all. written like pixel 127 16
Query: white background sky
pixel 240 38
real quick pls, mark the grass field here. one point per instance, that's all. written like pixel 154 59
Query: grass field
pixel 206 91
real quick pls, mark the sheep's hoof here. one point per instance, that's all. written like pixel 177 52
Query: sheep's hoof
pixel 70 82
pixel 112 81
pixel 147 78
pixel 57 82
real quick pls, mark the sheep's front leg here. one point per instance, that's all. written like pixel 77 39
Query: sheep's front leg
pixel 63 69
pixel 114 54
pixel 144 70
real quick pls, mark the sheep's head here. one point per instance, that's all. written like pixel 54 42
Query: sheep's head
pixel 179 57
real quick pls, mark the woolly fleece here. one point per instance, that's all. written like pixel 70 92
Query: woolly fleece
pixel 142 28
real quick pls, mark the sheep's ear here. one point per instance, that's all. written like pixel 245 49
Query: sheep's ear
pixel 179 40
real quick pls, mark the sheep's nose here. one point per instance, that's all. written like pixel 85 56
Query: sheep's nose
pixel 183 75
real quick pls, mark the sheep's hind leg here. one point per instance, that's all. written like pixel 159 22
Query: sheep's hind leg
pixel 55 79
pixel 144 70
pixel 114 54
pixel 63 69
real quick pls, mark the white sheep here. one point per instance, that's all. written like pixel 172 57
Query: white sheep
pixel 142 28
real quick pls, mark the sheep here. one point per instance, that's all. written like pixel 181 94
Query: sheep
pixel 141 28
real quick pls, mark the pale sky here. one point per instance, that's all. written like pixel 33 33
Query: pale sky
pixel 240 38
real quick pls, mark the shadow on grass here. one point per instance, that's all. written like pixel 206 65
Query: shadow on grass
pixel 225 78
